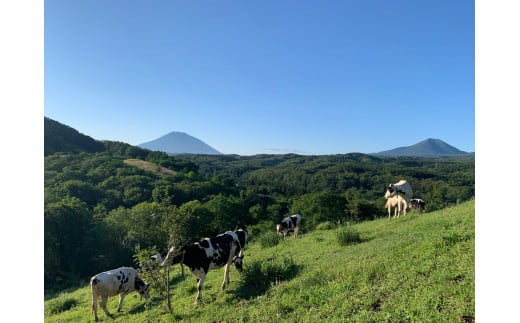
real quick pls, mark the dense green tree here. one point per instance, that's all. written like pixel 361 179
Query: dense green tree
pixel 65 224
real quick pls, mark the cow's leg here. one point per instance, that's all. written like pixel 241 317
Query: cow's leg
pixel 296 232
pixel 226 276
pixel 94 306
pixel 103 304
pixel 120 304
pixel 200 283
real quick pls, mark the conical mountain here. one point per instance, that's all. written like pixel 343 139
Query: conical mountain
pixel 179 143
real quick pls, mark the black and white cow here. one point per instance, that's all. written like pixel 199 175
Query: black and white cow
pixel 120 281
pixel 418 204
pixel 291 223
pixel 210 253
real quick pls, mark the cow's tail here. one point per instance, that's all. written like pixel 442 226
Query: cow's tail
pixel 94 281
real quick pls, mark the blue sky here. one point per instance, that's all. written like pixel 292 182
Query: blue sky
pixel 253 77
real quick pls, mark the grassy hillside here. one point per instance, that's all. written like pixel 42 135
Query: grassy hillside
pixel 149 167
pixel 418 268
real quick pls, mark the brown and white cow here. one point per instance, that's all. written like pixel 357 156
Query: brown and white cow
pixel 291 223
pixel 120 281
pixel 210 253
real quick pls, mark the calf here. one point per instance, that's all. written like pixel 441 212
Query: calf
pixel 210 253
pixel 291 223
pixel 120 281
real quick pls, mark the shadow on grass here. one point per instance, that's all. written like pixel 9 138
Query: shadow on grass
pixel 258 277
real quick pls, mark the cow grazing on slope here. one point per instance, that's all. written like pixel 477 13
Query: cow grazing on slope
pixel 210 253
pixel 291 223
pixel 398 203
pixel 417 204
pixel 120 281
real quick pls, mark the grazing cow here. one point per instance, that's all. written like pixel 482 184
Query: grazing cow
pixel 418 204
pixel 210 253
pixel 291 223
pixel 398 203
pixel 120 281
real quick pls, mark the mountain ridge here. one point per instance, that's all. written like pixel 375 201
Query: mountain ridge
pixel 426 148
pixel 59 137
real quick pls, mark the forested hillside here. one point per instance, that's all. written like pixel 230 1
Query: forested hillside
pixel 100 206
pixel 59 137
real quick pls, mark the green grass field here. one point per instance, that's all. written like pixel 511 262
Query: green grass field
pixel 418 268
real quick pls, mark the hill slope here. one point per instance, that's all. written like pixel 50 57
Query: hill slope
pixel 179 143
pixel 61 138
pixel 426 148
pixel 402 271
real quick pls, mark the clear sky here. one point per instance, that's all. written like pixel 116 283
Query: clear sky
pixel 255 77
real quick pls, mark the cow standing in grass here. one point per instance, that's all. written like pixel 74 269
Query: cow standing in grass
pixel 401 189
pixel 291 223
pixel 397 203
pixel 417 204
pixel 120 281
pixel 210 253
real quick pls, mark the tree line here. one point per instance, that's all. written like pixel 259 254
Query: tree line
pixel 99 209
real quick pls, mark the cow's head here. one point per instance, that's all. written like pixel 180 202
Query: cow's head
pixel 238 261
pixel 281 228
pixel 142 288
pixel 174 256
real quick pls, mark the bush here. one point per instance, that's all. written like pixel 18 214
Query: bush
pixel 60 305
pixel 269 239
pixel 327 225
pixel 260 275
pixel 254 232
pixel 347 236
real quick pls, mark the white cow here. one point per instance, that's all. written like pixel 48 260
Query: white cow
pixel 120 281
pixel 398 203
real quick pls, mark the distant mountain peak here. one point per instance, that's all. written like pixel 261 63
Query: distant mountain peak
pixel 178 142
pixel 427 148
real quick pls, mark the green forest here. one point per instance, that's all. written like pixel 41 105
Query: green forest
pixel 101 206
